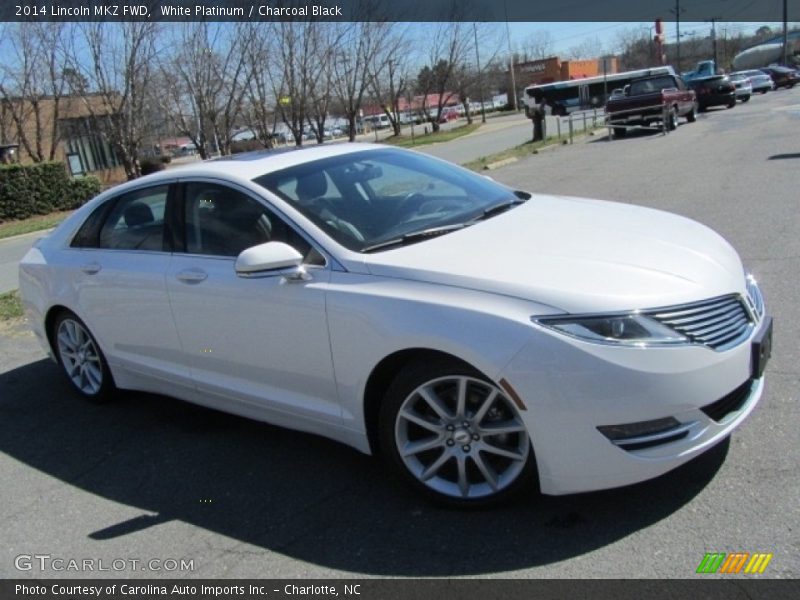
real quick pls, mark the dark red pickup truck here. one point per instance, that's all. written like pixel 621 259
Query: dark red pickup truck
pixel 659 99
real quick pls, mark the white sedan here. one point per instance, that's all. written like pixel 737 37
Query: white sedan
pixel 479 338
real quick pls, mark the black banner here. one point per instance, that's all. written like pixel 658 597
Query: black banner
pixel 733 588
pixel 399 10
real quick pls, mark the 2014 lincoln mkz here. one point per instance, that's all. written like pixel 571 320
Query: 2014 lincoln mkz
pixel 481 339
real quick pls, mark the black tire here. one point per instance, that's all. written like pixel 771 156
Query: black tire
pixel 691 116
pixel 452 455
pixel 620 132
pixel 745 98
pixel 732 103
pixel 672 119
pixel 764 91
pixel 81 359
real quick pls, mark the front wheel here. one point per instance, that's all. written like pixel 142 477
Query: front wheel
pixel 691 116
pixel 745 98
pixel 454 435
pixel 81 359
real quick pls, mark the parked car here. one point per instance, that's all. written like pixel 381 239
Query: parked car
pixel 742 85
pixel 476 335
pixel 648 100
pixel 448 114
pixel 717 90
pixel 782 76
pixel 759 81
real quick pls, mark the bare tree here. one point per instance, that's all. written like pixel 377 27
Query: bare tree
pixel 32 85
pixel 635 49
pixel 588 48
pixel 206 83
pixel 389 74
pixel 260 113
pixel 537 46
pixel 325 49
pixel 115 71
pixel 450 46
pixel 290 72
pixel 365 49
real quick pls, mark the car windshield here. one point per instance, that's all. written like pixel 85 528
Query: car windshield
pixel 375 199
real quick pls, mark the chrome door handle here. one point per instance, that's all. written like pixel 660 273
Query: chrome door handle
pixel 191 275
pixel 91 268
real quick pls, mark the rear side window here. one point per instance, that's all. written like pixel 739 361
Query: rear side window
pixel 136 222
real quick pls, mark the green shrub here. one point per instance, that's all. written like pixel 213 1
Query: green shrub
pixel 80 190
pixel 42 188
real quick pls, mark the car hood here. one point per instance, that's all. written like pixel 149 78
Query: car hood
pixel 576 255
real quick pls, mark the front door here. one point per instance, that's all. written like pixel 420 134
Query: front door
pixel 260 341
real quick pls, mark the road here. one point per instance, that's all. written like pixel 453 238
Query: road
pixel 148 477
pixel 11 252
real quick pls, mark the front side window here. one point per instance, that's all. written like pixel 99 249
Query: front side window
pixel 221 221
pixel 137 221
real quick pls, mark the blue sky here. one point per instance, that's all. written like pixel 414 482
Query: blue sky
pixel 568 35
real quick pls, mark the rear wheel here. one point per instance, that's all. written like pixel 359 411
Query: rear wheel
pixel 691 116
pixel 672 119
pixel 732 103
pixel 619 132
pixel 81 359
pixel 745 98
pixel 455 436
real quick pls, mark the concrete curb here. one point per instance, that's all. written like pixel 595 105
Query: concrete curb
pixel 500 163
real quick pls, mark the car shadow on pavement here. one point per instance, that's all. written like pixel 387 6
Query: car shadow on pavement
pixel 301 495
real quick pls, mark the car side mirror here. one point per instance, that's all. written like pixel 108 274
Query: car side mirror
pixel 270 259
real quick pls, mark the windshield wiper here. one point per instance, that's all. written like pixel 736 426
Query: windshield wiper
pixel 415 236
pixel 501 207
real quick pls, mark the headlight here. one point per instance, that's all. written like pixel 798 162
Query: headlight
pixel 631 329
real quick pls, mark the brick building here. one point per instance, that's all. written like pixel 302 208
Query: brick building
pixel 78 142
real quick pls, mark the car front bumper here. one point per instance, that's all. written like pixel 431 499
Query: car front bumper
pixel 570 388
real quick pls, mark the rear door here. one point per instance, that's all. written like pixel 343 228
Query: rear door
pixel 119 260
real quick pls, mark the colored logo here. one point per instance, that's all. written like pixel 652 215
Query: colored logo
pixel 736 562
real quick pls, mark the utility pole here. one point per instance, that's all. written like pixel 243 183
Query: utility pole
pixel 714 39
pixel 511 62
pixel 677 11
pixel 785 33
pixel 480 77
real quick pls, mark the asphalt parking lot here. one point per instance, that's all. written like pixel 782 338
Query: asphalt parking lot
pixel 149 478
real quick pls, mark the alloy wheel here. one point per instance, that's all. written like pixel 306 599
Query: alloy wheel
pixel 461 437
pixel 79 356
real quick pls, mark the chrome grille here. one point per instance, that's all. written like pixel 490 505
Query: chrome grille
pixel 718 323
pixel 754 297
